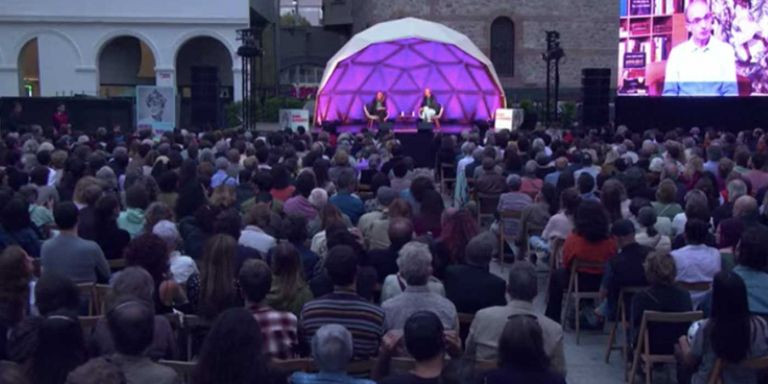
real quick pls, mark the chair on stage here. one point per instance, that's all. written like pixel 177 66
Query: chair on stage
pixel 371 118
pixel 436 118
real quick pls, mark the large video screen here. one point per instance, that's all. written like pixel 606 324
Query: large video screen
pixel 693 48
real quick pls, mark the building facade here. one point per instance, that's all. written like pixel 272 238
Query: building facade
pixel 511 33
pixel 106 48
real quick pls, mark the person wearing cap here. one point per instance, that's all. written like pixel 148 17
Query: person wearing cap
pixel 372 224
pixel 625 269
pixel 427 341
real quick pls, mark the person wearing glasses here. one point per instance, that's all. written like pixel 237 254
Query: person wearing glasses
pixel 703 65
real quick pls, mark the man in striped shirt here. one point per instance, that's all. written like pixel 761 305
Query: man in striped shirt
pixel 365 321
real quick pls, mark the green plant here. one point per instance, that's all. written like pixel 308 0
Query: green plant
pixel 290 20
pixel 234 114
pixel 568 114
pixel 273 105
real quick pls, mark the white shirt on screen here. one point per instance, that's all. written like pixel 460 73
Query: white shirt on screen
pixel 701 71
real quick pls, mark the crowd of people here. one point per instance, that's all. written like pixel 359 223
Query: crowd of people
pixel 335 247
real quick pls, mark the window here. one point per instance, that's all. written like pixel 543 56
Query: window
pixel 301 74
pixel 503 46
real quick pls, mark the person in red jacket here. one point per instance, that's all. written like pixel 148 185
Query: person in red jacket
pixel 589 241
pixel 61 121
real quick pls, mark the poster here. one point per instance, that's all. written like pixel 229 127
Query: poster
pixel 155 108
pixel 294 118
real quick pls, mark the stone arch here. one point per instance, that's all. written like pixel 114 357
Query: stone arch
pixel 32 35
pixel 106 39
pixel 185 38
pixel 124 60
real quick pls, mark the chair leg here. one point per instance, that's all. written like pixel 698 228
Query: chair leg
pixel 611 340
pixel 635 360
pixel 648 371
pixel 578 321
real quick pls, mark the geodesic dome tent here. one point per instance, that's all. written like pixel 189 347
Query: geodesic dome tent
pixel 402 58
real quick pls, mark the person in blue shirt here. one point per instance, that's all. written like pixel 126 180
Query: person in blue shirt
pixel 344 200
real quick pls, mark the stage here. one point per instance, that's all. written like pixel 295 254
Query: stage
pixel 402 128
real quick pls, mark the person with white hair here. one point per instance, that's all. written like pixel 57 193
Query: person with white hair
pixel 413 279
pixel 182 267
pixel 222 176
pixel 331 352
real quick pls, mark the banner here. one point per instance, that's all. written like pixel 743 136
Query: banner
pixel 294 118
pixel 155 108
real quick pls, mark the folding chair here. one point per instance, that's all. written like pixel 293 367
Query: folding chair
pixel 116 264
pixel 509 221
pixel 756 364
pixel 486 206
pixel 87 296
pixel 88 323
pixel 293 365
pixel 185 369
pixel 191 324
pixel 99 302
pixel 643 349
pixel 445 181
pixel 465 321
pixel 622 320
pixel 574 294
pixel 555 253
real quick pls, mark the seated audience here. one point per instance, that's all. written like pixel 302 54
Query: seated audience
pixel 696 262
pixel 131 324
pixel 67 254
pixel 138 283
pixel 372 225
pixel 132 219
pixel 731 334
pixel 427 341
pixel 296 234
pixel 662 296
pixel 216 291
pixel 589 242
pixel 254 235
pixel 751 267
pixel 16 274
pixel 647 234
pixel 108 235
pixel 522 357
pixel 289 290
pixel 182 267
pixel 60 349
pixel 331 352
pixel 233 352
pixel 344 199
pixel 99 370
pixel 488 326
pixel 151 253
pixel 279 329
pixel 625 270
pixel 344 306
pixel 415 264
pixel 299 204
pixel 395 284
pixel 471 286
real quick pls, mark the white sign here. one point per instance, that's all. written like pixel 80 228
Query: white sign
pixel 294 118
pixel 155 108
pixel 509 119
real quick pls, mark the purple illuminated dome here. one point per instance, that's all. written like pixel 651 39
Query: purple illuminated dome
pixel 402 58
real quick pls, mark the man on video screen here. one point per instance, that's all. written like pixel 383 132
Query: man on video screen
pixel 703 65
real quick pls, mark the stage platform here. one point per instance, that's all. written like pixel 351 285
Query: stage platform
pixel 453 129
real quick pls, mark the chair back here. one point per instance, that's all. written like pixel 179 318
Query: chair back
pixel 293 365
pixel 100 294
pixel 185 369
pixel 447 168
pixel 116 264
pixel 556 253
pixel 487 202
pixel 88 323
pixel 509 224
pixel 701 286
pixel 87 296
pixel 755 364
pixel 578 265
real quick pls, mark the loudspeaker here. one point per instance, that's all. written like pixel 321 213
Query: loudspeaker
pixel 425 127
pixel 205 105
pixel 595 88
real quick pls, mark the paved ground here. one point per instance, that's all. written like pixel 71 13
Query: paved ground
pixel 586 362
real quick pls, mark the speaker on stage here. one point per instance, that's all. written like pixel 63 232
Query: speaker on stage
pixel 596 88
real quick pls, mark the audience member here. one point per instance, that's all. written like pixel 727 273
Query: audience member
pixel 279 330
pixel 471 286
pixel 488 325
pixel 331 352
pixel 751 267
pixel 696 262
pixel 344 306
pixel 415 263
pixel 67 254
pixel 289 290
